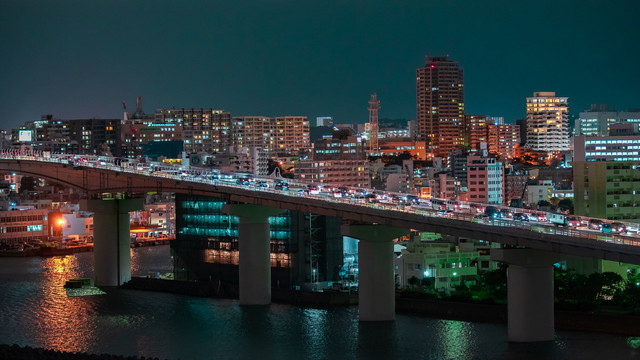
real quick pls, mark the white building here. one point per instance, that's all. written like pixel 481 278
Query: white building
pixel 547 122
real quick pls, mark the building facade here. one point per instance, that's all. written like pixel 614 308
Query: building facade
pixel 607 148
pixel 203 130
pixel 485 180
pixel 440 105
pixel 282 134
pixel 598 119
pixel 547 122
pixel 607 189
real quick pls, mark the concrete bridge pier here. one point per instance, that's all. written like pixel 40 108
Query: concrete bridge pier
pixel 376 288
pixel 529 293
pixel 254 251
pixel 111 239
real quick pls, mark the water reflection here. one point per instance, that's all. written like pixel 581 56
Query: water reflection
pixel 457 338
pixel 377 340
pixel 57 317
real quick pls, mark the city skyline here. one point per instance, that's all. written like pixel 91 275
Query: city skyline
pixel 283 58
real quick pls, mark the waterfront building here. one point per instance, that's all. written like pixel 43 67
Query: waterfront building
pixel 281 134
pixel 598 119
pixel 203 130
pixel 607 189
pixel 18 227
pixel 485 180
pixel 440 105
pixel 304 248
pixel 443 264
pixel 547 122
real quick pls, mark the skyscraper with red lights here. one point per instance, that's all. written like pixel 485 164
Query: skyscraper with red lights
pixel 440 105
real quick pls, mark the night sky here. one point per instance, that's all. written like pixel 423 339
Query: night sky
pixel 79 59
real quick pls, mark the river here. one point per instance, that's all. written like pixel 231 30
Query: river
pixel 35 310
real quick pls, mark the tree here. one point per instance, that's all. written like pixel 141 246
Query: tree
pixel 543 203
pixel 28 183
pixel 566 204
pixel 413 281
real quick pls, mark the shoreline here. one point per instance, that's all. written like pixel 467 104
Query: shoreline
pixel 601 322
pixel 70 250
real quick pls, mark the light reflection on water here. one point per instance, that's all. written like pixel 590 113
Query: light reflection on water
pixel 35 311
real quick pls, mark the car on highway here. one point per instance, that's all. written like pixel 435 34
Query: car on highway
pixel 595 224
pixel 520 217
pixel 613 228
pixel 481 218
pixel 445 213
pixel 573 221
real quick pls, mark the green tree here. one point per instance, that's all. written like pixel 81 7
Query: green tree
pixel 566 204
pixel 413 281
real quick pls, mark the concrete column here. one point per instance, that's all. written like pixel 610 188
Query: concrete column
pixel 376 282
pixel 111 239
pixel 529 293
pixel 254 251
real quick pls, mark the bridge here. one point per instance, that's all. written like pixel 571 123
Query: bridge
pixel 532 248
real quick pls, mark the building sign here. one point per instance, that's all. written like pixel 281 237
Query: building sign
pixel 25 135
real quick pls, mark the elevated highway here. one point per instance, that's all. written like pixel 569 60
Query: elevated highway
pixel 532 250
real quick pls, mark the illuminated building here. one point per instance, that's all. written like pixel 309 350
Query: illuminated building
pixel 304 247
pixel 24 226
pixel 417 149
pixel 503 140
pixel 547 122
pixel 607 148
pixel 477 130
pixel 203 130
pixel 336 161
pixel 607 189
pixel 281 134
pixel 485 180
pixel 598 119
pixel 137 133
pixel 440 105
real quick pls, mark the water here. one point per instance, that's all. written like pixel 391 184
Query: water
pixel 35 311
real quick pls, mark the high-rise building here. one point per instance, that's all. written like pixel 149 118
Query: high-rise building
pixel 440 105
pixel 547 122
pixel 282 134
pixel 503 140
pixel 204 130
pixel 598 119
pixel 324 121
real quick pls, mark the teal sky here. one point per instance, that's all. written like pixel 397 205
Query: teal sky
pixel 79 59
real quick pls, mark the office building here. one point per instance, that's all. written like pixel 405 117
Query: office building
pixel 607 148
pixel 304 248
pixel 607 189
pixel 440 105
pixel 547 122
pixel 598 119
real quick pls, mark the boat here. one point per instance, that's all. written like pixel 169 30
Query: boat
pixel 78 283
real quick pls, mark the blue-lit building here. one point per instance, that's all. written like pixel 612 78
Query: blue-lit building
pixel 304 248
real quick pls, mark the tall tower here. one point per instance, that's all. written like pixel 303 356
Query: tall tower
pixel 374 106
pixel 440 105
pixel 547 122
